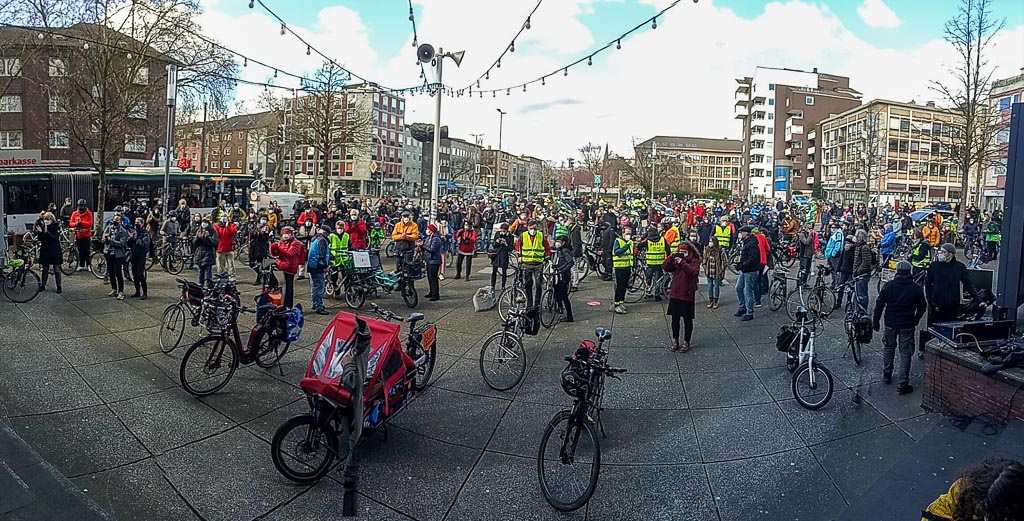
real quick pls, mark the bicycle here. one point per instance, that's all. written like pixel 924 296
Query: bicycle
pixel 502 353
pixel 808 374
pixel 576 446
pixel 362 282
pixel 512 296
pixel 176 317
pixel 172 255
pixel 856 321
pixel 20 283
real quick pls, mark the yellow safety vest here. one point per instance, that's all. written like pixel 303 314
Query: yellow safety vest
pixel 922 263
pixel 656 252
pixel 533 248
pixel 724 235
pixel 625 260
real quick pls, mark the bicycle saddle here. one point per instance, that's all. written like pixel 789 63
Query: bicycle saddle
pixel 414 318
pixel 801 312
pixel 602 333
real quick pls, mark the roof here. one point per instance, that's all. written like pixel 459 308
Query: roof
pixel 695 143
pixel 878 101
pixel 1007 84
pixel 72 37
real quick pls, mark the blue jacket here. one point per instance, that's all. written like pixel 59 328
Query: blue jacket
pixel 432 248
pixel 319 255
pixel 835 245
pixel 888 242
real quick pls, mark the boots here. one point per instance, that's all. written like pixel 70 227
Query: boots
pixel 711 303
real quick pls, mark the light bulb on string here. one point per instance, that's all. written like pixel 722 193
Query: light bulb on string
pixel 508 92
pixel 478 83
pixel 487 75
pixel 512 46
pixel 524 87
pixel 542 80
pixel 245 61
pixel 413 42
pixel 494 94
pixel 590 59
pixel 527 22
pixel 282 28
pixel 499 63
pixel 654 23
pixel 308 50
pixel 252 4
pixel 618 44
pixel 565 72
pixel 275 73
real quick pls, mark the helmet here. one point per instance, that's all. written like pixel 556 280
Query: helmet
pixel 573 383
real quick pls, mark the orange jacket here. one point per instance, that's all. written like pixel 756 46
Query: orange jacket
pixel 405 232
pixel 931 234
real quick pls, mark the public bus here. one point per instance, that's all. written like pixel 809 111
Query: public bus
pixel 26 193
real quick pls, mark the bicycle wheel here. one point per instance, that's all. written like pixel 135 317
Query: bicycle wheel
pixel 502 361
pixel 70 262
pixel 409 294
pixel 510 298
pixel 549 312
pixel 354 295
pixel 391 250
pixel 303 451
pixel 568 462
pixel 174 262
pixel 777 296
pixel 812 388
pixel 172 328
pixel 734 260
pixel 426 369
pixel 808 300
pixel 208 366
pixel 826 297
pixel 636 288
pixel 98 265
pixel 22 285
pixel 270 350
pixel 787 261
pixel 149 262
pixel 855 347
pixel 582 267
pixel 601 268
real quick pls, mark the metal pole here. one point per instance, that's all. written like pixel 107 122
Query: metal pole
pixel 654 155
pixel 435 173
pixel 501 123
pixel 172 81
pixel 202 142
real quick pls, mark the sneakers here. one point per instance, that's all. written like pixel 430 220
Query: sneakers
pixel 757 304
pixel 458 276
pixel 711 303
pixel 887 378
pixel 111 293
pixel 440 276
pixel 747 318
pixel 120 296
pixel 716 304
pixel 59 290
pixel 739 313
pixel 322 312
pixel 620 309
pixel 905 389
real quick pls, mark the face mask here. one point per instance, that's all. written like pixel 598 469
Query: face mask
pixel 559 245
pixel 693 237
pixel 223 221
pixel 286 237
pixel 263 222
pixel 627 237
pixel 406 219
pixel 533 232
pixel 340 230
pixel 47 222
pixel 206 225
pixel 117 223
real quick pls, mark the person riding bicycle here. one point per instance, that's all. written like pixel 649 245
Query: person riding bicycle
pixel 904 304
pixel 171 230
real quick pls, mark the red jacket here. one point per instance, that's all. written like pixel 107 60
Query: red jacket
pixel 225 237
pixel 290 255
pixel 762 245
pixel 356 234
pixel 81 223
pixel 685 275
pixel 307 216
pixel 466 240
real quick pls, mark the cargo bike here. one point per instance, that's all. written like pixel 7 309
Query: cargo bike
pixel 362 276
pixel 359 376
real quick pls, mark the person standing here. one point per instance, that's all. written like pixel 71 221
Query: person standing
pixel 766 262
pixel 226 231
pixel 534 249
pixel 714 269
pixel 500 248
pixel 834 247
pixel 432 248
pixel 563 275
pixel 115 248
pixel 863 265
pixel 466 240
pixel 904 304
pixel 259 246
pixel 139 242
pixel 607 244
pixel 576 245
pixel 749 266
pixel 993 235
pixel 204 250
pixel 48 231
pixel 723 232
pixel 887 244
pixel 66 210
pixel 405 235
pixel 805 245
pixel 316 265
pixel 657 249
pixel 622 262
pixel 356 230
pixel 81 222
pixel 943 285
pixel 684 265
pixel 339 246
pixel 921 255
pixel 290 255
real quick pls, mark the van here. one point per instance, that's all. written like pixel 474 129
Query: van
pixel 286 200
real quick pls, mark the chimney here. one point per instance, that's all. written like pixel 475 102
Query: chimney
pixel 930 104
pixel 815 70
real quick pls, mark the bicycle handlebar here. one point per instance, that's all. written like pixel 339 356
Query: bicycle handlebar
pixel 383 312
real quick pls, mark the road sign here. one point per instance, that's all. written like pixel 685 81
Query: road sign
pixel 373 167
pixel 597 179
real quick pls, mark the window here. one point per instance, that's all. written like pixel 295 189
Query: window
pixel 10 139
pixel 238 164
pixel 227 137
pixel 141 76
pixel 799 114
pixel 904 125
pixel 771 130
pixel 10 67
pixel 771 115
pixel 135 144
pixel 215 164
pixel 58 104
pixel 57 139
pixel 10 103
pixel 227 151
pixel 138 111
pixel 240 135
pixel 239 150
pixel 809 100
pixel 1004 104
pixel 771 86
pixel 771 101
pixel 57 67
pixel 915 147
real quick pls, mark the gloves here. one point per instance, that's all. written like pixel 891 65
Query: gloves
pixel 876 326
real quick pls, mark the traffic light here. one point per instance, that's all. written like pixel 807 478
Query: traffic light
pixel 280 134
pixel 571 162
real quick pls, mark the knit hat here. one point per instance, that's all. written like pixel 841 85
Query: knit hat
pixel 949 248
pixel 903 268
pixel 431 228
pixel 748 228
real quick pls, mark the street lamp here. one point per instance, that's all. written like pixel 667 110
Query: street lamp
pixel 501 121
pixel 380 173
pixel 425 53
pixel 172 95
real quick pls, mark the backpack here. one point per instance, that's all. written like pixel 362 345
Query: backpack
pixel 874 259
pixel 293 322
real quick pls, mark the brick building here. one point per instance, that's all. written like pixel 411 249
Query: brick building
pixel 692 164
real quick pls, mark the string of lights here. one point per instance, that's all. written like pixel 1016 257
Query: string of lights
pixel 415 41
pixel 511 47
pixel 588 58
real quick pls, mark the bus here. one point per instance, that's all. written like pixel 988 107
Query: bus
pixel 26 193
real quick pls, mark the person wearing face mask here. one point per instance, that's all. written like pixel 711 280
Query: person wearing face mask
pixel 339 245
pixel 920 255
pixel 226 231
pixel 317 260
pixel 943 285
pixel 622 263
pixel 405 235
pixel 81 222
pixel 657 249
pixel 204 250
pixel 576 245
pixel 356 230
pixel 259 245
pixel 47 230
pixel 115 248
pixel 465 239
pixel 564 263
pixel 182 212
pixel 188 234
pixel 139 247
pixel 684 265
pixel 749 267
pixel 534 249
pixel 290 255
pixel 432 248
pixel 501 246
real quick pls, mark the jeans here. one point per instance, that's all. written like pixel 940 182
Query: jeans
pixel 714 287
pixel 805 269
pixel 745 292
pixel 317 281
pixel 485 239
pixel 840 293
pixel 904 339
pixel 862 292
pixel 46 273
pixel 115 270
pixel 205 274
pixel 534 276
pixel 653 276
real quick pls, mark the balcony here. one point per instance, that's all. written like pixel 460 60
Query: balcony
pixel 810 150
pixel 741 111
pixel 789 151
pixel 757 144
pixel 810 165
pixel 793 130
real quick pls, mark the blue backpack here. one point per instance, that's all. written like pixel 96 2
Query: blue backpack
pixel 293 323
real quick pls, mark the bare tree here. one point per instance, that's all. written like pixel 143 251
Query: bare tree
pixel 970 32
pixel 460 167
pixel 328 120
pixel 869 151
pixel 669 172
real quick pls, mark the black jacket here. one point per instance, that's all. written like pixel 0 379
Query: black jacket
pixel 846 260
pixel 750 258
pixel 903 302
pixel 944 280
pixel 576 240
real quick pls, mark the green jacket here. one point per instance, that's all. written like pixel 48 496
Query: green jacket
pixel 338 245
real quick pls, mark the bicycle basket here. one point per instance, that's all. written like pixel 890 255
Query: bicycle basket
pixel 415 269
pixel 216 316
pixel 786 339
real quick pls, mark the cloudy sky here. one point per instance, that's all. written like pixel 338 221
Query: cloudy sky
pixel 677 79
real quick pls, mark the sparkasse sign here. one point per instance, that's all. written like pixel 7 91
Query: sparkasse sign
pixel 20 158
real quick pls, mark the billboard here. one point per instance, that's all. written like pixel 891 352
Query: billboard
pixel 781 178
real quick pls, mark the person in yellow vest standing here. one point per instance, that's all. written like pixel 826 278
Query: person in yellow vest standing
pixel 534 249
pixel 723 232
pixel 622 262
pixel 658 248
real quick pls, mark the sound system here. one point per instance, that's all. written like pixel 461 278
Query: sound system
pixel 975 333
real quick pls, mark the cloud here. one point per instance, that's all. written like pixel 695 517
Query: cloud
pixel 878 15
pixel 537 107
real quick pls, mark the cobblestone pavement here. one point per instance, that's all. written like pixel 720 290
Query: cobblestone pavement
pixel 710 434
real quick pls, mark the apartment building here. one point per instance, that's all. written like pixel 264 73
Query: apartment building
pixel 692 164
pixel 776 107
pixel 902 148
pixel 501 169
pixel 532 173
pixel 42 109
pixel 1005 93
pixel 242 144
